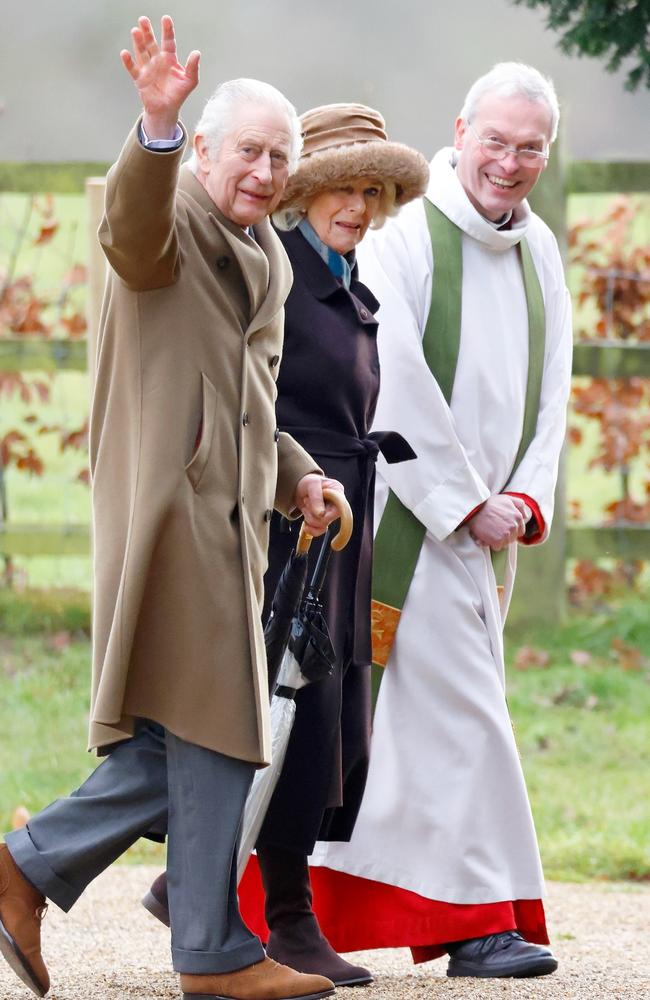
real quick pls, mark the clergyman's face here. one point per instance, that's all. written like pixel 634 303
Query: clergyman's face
pixel 250 172
pixel 496 186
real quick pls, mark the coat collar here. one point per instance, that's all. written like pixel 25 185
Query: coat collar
pixel 263 263
pixel 319 278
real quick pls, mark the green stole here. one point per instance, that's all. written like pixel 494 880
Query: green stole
pixel 400 534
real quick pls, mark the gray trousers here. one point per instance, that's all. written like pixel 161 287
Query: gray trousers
pixel 145 782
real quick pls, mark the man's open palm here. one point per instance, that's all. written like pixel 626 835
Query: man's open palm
pixel 162 82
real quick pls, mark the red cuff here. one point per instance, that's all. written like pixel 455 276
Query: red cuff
pixel 534 533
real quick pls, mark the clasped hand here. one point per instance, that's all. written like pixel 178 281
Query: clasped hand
pixel 500 521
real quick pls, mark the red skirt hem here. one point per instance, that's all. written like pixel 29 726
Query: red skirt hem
pixel 358 914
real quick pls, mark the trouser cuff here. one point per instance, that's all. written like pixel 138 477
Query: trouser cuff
pixel 213 962
pixel 37 871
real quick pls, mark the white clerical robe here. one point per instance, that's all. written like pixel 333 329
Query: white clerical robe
pixel 445 812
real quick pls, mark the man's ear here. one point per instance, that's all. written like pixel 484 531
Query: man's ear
pixel 460 128
pixel 201 150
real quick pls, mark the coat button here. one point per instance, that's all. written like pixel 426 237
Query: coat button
pixel 268 514
pixel 223 262
pixel 276 435
pixel 363 313
pixel 245 419
pixel 274 360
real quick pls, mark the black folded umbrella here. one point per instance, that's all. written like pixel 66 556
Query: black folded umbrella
pixel 299 651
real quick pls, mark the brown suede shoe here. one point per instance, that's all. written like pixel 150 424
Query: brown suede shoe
pixel 266 980
pixel 22 908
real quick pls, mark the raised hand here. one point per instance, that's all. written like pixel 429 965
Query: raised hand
pixel 162 82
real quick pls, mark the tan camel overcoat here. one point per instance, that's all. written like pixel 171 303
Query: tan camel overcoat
pixel 186 461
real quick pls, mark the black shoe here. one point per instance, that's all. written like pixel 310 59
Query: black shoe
pixel 499 955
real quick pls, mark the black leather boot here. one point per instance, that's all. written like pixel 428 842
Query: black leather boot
pixel 295 938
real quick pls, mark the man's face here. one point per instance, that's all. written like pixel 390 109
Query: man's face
pixel 494 187
pixel 250 173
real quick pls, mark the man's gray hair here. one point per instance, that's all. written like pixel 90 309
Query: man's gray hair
pixel 220 109
pixel 511 79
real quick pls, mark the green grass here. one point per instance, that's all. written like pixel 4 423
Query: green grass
pixel 584 738
pixel 582 730
pixel 43 721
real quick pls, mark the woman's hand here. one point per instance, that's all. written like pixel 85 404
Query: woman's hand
pixel 308 498
pixel 162 82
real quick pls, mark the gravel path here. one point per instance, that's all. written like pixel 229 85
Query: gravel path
pixel 109 948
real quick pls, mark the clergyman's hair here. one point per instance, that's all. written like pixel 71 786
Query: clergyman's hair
pixel 220 109
pixel 512 79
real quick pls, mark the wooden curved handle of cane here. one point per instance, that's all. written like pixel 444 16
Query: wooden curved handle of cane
pixel 341 539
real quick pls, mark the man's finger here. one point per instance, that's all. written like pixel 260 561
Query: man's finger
pixel 167 38
pixel 129 65
pixel 146 28
pixel 315 497
pixel 139 47
pixel 192 67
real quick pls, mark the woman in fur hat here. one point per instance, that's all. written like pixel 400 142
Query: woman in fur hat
pixel 349 177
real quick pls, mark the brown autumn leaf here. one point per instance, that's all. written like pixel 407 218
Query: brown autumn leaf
pixel 591 580
pixel 75 325
pixel 30 462
pixel 46 232
pixel 75 439
pixel 30 321
pixel 575 510
pixel 527 658
pixel 627 656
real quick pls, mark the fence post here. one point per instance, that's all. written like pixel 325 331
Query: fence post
pixel 96 267
pixel 539 595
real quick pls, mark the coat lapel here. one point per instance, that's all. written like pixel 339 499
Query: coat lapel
pixel 280 277
pixel 253 257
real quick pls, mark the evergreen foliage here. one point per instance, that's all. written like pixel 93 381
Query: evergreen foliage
pixel 615 29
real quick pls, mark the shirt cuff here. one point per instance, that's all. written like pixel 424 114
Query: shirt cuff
pixel 161 144
pixel 536 526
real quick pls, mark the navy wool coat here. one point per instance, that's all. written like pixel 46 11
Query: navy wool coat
pixel 327 393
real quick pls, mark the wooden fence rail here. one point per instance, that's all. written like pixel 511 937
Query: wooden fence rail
pixel 542 572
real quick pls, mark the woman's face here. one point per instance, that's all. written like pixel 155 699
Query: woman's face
pixel 342 215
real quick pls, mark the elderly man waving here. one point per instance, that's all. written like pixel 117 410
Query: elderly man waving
pixel 187 465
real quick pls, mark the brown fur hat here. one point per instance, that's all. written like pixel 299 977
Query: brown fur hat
pixel 345 141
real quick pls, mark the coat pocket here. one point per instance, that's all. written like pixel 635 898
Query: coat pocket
pixel 199 460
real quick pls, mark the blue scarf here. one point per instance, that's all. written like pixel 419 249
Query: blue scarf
pixel 341 267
